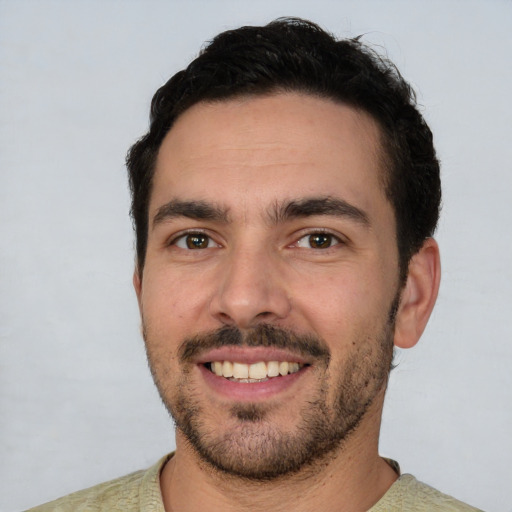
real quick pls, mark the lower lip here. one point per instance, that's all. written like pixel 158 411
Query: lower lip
pixel 250 391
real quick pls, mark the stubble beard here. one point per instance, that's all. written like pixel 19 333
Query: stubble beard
pixel 256 448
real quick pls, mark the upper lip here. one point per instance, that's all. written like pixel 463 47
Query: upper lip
pixel 249 355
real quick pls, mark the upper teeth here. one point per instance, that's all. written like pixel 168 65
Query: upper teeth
pixel 256 371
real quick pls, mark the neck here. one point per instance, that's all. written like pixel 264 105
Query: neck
pixel 353 478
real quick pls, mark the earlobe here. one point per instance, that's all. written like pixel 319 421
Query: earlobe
pixel 419 295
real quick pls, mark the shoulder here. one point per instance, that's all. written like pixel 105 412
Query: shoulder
pixel 410 495
pixel 134 492
pixel 119 494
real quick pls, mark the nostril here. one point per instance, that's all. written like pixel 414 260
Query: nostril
pixel 225 318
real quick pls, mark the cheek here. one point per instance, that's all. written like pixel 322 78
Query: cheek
pixel 348 310
pixel 339 299
pixel 171 300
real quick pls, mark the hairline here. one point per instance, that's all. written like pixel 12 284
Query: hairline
pixel 383 150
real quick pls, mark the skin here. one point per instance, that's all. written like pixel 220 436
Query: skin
pixel 244 157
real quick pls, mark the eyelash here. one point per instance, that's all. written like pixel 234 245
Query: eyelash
pixel 199 234
pixel 332 239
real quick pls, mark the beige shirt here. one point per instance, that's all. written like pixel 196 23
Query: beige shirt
pixel 140 491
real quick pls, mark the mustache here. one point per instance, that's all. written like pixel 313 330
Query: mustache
pixel 263 335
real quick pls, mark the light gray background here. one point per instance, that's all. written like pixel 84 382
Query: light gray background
pixel 77 402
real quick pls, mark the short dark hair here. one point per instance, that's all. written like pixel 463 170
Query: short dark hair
pixel 294 55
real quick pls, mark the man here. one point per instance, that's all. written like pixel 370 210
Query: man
pixel 284 202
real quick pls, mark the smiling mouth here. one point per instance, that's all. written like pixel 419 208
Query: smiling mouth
pixel 253 373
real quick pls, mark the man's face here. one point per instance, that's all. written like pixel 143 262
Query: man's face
pixel 270 279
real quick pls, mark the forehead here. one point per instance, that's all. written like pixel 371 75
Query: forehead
pixel 267 148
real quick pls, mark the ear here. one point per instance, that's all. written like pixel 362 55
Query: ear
pixel 137 285
pixel 418 295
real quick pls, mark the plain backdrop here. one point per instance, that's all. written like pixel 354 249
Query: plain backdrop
pixel 77 404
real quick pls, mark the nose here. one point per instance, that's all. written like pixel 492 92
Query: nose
pixel 250 290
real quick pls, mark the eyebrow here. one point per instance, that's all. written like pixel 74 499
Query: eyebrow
pixel 281 212
pixel 310 206
pixel 198 210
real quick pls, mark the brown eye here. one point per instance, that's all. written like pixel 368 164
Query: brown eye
pixel 194 241
pixel 197 241
pixel 320 241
